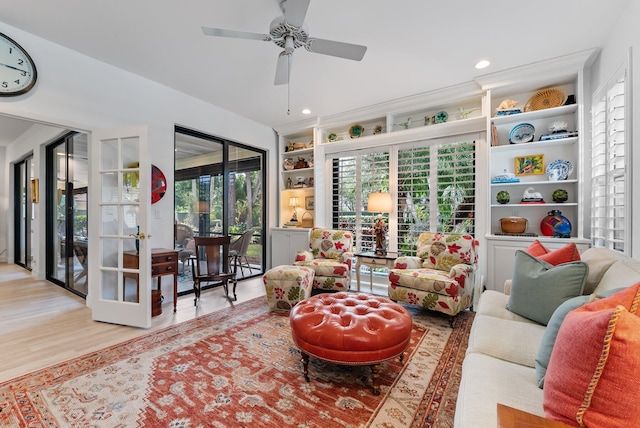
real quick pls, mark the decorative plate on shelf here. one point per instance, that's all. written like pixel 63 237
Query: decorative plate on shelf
pixel 546 98
pixel 522 133
pixel 288 164
pixel 442 116
pixel 559 170
pixel 356 130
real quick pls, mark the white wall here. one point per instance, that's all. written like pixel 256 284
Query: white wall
pixel 78 92
pixel 4 205
pixel 33 141
pixel 624 36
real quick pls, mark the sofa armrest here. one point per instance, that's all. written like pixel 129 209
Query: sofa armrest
pixel 407 262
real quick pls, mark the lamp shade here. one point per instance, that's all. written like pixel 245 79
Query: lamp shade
pixel 380 202
pixel 294 202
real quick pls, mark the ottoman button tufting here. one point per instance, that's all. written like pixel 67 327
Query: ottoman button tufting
pixel 350 329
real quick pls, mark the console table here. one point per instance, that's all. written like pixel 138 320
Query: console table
pixel 374 261
pixel 163 262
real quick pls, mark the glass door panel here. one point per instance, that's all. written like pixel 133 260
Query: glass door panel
pixel 68 213
pixel 120 290
pixel 23 212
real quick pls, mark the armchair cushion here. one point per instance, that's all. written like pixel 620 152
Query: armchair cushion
pixel 331 244
pixel 408 262
pixel 433 280
pixel 329 255
pixel 441 251
pixel 326 267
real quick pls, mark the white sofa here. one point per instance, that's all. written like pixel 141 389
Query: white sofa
pixel 499 364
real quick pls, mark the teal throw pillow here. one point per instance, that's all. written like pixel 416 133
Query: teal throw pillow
pixel 550 334
pixel 538 288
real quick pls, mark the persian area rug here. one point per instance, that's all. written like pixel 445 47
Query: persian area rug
pixel 238 368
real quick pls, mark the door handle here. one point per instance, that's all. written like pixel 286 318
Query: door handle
pixel 140 235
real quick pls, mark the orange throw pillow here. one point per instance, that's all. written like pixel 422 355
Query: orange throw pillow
pixel 566 254
pixel 593 378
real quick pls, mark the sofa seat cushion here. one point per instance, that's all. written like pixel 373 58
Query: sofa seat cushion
pixel 513 341
pixel 432 280
pixel 487 381
pixel 538 288
pixel 494 303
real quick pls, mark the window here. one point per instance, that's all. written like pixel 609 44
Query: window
pixel 436 191
pixel 433 181
pixel 218 191
pixel 354 177
pixel 610 206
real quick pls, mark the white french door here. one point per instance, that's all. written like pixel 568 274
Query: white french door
pixel 120 199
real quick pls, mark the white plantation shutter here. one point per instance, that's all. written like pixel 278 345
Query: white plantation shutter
pixel 433 182
pixel 610 204
pixel 355 176
pixel 436 191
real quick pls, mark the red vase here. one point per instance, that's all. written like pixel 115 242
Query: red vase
pixel 556 225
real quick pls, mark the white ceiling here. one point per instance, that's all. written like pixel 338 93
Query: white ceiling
pixel 414 46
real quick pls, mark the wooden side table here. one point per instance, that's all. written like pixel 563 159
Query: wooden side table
pixel 374 261
pixel 163 262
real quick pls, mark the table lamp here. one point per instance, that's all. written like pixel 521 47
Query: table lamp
pixel 294 203
pixel 380 202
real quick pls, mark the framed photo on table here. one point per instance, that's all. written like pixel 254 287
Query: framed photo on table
pixel 530 164
pixel 309 203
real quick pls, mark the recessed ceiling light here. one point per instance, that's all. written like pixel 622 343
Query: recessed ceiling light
pixel 306 111
pixel 482 64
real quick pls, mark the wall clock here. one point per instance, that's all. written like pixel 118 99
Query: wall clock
pixel 17 71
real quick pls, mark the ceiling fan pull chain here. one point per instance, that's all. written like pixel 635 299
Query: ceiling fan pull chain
pixel 289 85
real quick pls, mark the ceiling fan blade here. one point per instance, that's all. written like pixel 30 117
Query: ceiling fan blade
pixel 220 32
pixel 339 49
pixel 283 69
pixel 295 11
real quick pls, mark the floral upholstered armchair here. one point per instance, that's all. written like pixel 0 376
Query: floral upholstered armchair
pixel 442 275
pixel 329 255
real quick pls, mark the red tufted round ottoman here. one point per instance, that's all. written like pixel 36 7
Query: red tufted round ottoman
pixel 350 329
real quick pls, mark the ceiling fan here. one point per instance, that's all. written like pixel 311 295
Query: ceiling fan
pixel 288 32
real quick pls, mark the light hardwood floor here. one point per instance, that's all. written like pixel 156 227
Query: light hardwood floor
pixel 42 324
